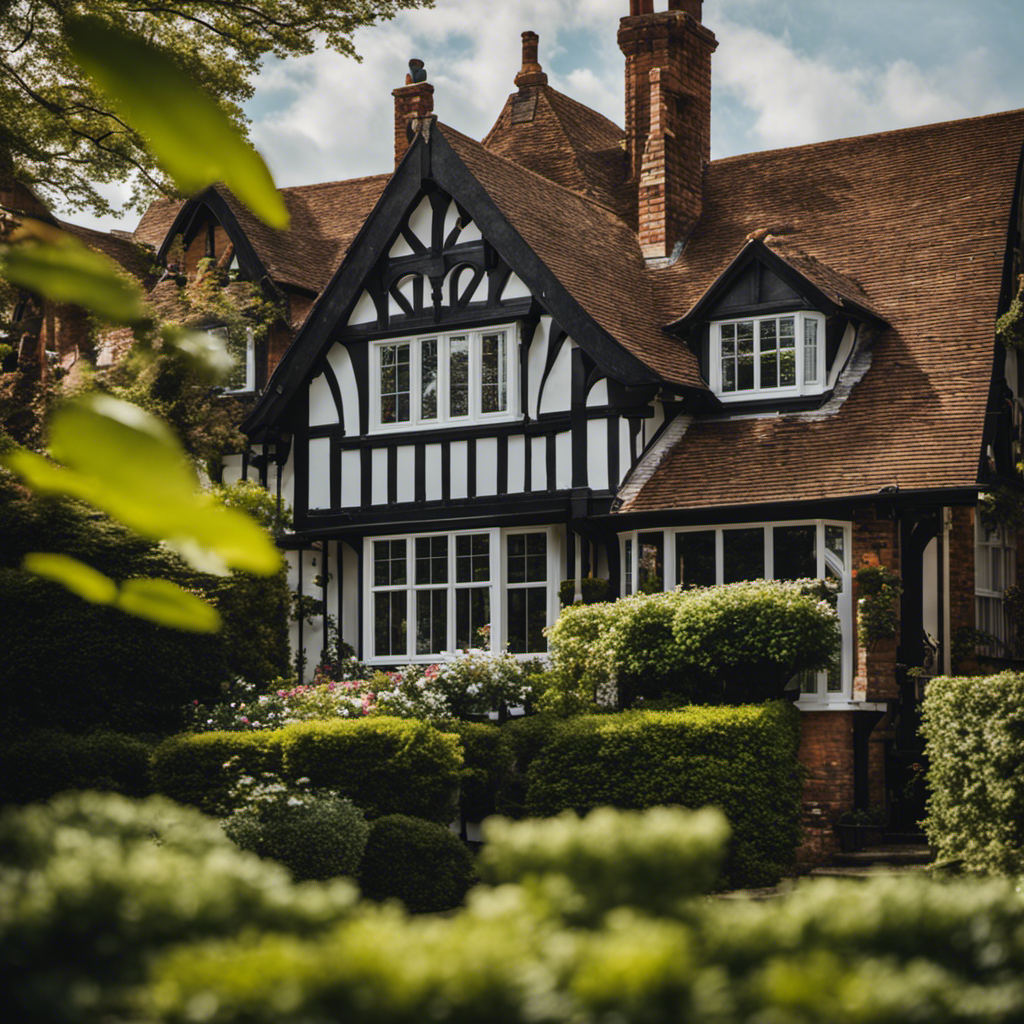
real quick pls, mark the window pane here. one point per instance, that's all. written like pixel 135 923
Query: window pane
pixel 493 387
pixel 536 557
pixel 794 551
pixel 428 380
pixel 431 560
pixel 458 376
pixel 652 563
pixel 472 558
pixel 431 621
pixel 394 383
pixel 770 369
pixel 695 555
pixel 517 559
pixel 389 563
pixel 527 614
pixel 835 540
pixel 743 554
pixel 745 356
pixel 628 569
pixel 472 610
pixel 389 625
pixel 810 351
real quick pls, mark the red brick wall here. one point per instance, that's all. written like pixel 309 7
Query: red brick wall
pixel 961 579
pixel 875 542
pixel 826 751
pixel 410 101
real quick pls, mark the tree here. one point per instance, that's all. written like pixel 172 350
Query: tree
pixel 62 136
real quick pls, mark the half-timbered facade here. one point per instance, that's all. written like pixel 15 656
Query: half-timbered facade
pixel 574 349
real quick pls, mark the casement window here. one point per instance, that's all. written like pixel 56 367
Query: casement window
pixel 710 556
pixel 435 593
pixel 995 570
pixel 240 343
pixel 768 356
pixel 458 378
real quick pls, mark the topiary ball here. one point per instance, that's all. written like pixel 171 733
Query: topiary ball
pixel 423 864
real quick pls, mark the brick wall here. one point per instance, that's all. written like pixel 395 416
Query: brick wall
pixel 875 542
pixel 411 101
pixel 961 579
pixel 826 751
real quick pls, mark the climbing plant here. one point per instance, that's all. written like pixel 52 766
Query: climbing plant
pixel 879 589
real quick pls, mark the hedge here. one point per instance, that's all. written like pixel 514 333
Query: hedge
pixel 384 765
pixel 48 762
pixel 974 731
pixel 421 863
pixel 742 760
pixel 488 764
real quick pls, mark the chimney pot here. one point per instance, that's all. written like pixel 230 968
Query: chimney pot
pixel 531 73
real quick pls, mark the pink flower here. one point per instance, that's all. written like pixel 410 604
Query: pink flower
pixel 196 703
pixel 244 719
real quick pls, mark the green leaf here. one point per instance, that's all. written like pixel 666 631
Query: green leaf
pixel 190 136
pixel 206 352
pixel 72 273
pixel 166 604
pixel 76 576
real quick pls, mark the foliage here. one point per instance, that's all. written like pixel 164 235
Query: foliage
pixel 965 643
pixel 487 767
pixel 38 765
pixel 421 863
pixel 316 835
pixel 255 501
pixel 878 603
pixel 385 765
pixel 71 135
pixel 649 860
pixel 974 728
pixel 734 643
pixel 742 760
pixel 1010 326
pixel 592 588
pixel 92 885
pixel 752 638
pixel 1001 505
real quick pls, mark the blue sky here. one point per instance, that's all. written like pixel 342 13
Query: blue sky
pixel 786 72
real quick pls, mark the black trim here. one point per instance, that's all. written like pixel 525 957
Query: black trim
pixel 420 489
pixel 392 475
pixel 551 468
pixel 457 432
pixel 471 468
pixel 446 471
pixel 527 463
pixel 614 470
pixel 365 476
pixel 502 465
pixel 335 474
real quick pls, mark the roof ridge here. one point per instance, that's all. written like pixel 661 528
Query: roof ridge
pixel 826 143
pixel 337 181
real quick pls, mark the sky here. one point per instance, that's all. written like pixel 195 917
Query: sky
pixel 786 72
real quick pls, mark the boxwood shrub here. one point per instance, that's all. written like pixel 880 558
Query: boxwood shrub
pixel 974 730
pixel 41 764
pixel 487 766
pixel 742 760
pixel 421 863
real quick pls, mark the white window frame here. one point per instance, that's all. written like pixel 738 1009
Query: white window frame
pixel 999 545
pixel 444 418
pixel 250 358
pixel 821 697
pixel 498 554
pixel 801 317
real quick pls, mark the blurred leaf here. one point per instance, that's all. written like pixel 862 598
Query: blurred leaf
pixel 206 352
pixel 166 604
pixel 76 576
pixel 72 273
pixel 188 133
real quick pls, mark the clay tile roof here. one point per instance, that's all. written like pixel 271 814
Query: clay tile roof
pixel 919 220
pixel 157 221
pixel 561 139
pixel 590 250
pixel 136 259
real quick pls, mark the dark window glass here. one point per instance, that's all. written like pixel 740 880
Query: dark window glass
pixel 795 552
pixel 431 560
pixel 652 563
pixel 493 387
pixel 394 383
pixel 472 558
pixel 389 563
pixel 458 377
pixel 472 610
pixel 389 623
pixel 628 571
pixel 743 555
pixel 527 617
pixel 431 621
pixel 428 381
pixel 695 554
pixel 527 558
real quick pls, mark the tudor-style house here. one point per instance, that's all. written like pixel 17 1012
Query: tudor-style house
pixel 574 349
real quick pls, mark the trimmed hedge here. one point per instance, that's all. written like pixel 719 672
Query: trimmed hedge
pixel 974 728
pixel 742 760
pixel 421 863
pixel 487 768
pixel 384 765
pixel 45 763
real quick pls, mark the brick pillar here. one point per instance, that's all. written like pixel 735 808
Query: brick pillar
pixel 961 581
pixel 826 752
pixel 412 102
pixel 668 121
pixel 874 543
pixel 531 73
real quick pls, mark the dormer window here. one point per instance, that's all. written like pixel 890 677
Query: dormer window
pixel 778 356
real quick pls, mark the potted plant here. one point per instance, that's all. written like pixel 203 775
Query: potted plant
pixel 860 828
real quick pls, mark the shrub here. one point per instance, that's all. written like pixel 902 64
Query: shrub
pixel 974 728
pixel 648 860
pixel 421 863
pixel 315 835
pixel 487 767
pixel 742 760
pixel 385 765
pixel 752 638
pixel 92 885
pixel 44 763
pixel 525 738
pixel 190 768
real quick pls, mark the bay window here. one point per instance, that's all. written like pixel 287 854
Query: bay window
pixel 464 377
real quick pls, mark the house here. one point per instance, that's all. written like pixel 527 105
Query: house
pixel 576 349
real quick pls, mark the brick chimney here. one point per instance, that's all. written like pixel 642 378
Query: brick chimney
pixel 668 117
pixel 532 73
pixel 413 102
